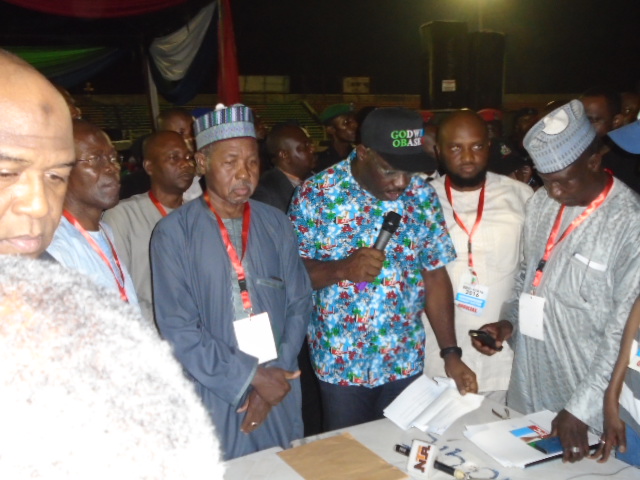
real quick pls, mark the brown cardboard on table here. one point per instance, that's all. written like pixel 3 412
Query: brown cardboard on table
pixel 339 457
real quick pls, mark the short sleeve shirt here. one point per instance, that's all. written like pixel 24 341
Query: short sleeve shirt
pixel 374 335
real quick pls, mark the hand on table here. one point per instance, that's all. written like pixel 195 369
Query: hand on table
pixel 614 432
pixel 573 436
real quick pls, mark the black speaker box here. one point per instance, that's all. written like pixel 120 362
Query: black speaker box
pixel 444 65
pixel 486 69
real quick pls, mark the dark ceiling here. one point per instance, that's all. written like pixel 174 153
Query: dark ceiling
pixel 552 46
pixel 19 26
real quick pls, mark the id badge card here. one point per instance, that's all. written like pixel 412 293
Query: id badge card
pixel 255 337
pixel 471 298
pixel 531 316
pixel 634 360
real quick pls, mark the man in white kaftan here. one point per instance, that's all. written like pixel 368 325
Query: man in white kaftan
pixel 496 204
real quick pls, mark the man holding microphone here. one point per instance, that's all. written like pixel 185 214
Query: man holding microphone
pixel 366 334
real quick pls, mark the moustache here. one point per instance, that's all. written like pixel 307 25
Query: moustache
pixel 243 184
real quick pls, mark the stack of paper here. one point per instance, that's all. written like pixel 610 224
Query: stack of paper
pixel 519 442
pixel 431 405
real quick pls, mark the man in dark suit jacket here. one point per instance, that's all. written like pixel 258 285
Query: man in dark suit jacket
pixel 291 152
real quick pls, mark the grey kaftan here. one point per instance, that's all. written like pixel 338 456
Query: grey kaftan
pixel 589 283
pixel 192 285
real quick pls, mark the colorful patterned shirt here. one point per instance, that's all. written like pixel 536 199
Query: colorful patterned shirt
pixel 372 336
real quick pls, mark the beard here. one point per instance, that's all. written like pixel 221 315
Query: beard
pixel 464 182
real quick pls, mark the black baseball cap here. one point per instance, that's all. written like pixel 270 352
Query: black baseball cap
pixel 395 134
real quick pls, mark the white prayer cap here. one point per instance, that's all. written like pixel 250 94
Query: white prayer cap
pixel 558 140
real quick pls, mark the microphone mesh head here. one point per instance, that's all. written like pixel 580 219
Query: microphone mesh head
pixel 391 221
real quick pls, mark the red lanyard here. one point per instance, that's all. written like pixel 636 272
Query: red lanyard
pixel 157 203
pixel 231 251
pixel 119 281
pixel 447 187
pixel 552 242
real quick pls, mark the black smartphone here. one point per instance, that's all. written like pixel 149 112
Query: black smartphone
pixel 485 339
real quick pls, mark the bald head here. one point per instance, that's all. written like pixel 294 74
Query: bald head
pixel 291 150
pixel 84 127
pixel 20 82
pixel 166 116
pixel 459 117
pixel 94 183
pixel 180 121
pixel 155 143
pixel 36 154
pixel 86 132
pixel 9 60
pixel 277 137
pixel 169 163
pixel 463 149
pixel 33 109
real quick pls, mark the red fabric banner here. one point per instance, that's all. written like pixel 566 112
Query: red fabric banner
pixel 228 77
pixel 97 8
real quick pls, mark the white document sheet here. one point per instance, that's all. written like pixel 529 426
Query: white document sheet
pixel 511 442
pixel 431 405
pixel 255 337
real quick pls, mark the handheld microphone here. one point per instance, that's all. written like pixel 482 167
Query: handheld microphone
pixel 389 227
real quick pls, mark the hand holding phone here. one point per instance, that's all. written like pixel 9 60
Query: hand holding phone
pixel 485 338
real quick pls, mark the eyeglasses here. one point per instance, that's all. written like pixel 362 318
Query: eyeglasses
pixel 102 160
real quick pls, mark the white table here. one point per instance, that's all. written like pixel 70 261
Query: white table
pixel 382 435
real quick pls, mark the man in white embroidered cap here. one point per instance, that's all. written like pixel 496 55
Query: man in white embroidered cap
pixel 231 294
pixel 577 284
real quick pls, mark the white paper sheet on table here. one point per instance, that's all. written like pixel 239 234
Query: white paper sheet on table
pixel 431 405
pixel 497 440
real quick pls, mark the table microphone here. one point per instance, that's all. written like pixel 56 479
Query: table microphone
pixel 422 461
pixel 389 226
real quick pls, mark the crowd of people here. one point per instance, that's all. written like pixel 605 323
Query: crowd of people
pixel 301 291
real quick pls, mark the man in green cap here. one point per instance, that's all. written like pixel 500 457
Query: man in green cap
pixel 340 122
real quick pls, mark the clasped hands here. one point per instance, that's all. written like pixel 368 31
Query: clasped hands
pixel 270 386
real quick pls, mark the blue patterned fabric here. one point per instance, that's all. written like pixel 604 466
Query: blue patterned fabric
pixel 376 335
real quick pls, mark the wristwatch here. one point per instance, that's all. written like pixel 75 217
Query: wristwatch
pixel 446 351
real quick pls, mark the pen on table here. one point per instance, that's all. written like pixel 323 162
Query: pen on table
pixel 458 474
